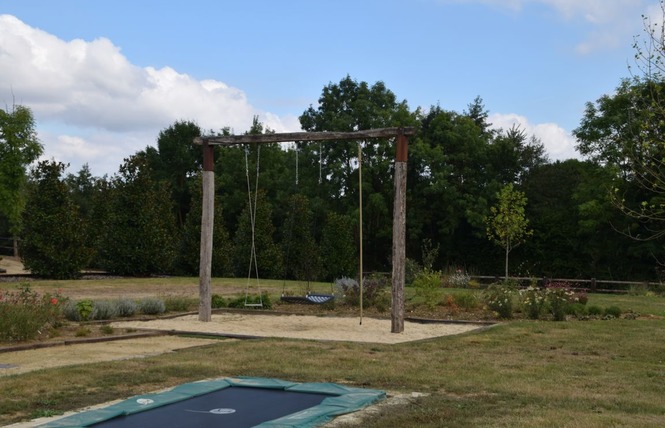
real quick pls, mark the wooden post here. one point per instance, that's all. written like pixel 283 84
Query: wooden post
pixel 207 221
pixel 399 235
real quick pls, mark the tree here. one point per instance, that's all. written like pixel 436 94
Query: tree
pixel 269 259
pixel 190 254
pixel 139 233
pixel 338 247
pixel 301 254
pixel 507 223
pixel 19 147
pixel 625 131
pixel 54 234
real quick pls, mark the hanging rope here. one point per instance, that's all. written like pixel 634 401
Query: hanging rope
pixel 360 193
pixel 253 261
pixel 297 151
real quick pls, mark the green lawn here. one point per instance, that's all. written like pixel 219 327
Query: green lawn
pixel 516 374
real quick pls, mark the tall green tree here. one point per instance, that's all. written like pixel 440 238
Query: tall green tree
pixel 350 106
pixel 54 234
pixel 338 247
pixel 301 254
pixel 507 224
pixel 139 234
pixel 269 257
pixel 190 249
pixel 19 147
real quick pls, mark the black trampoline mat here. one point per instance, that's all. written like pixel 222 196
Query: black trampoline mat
pixel 232 407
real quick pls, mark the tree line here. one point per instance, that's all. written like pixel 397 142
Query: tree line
pixel 584 216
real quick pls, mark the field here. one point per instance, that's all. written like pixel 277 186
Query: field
pixel 519 373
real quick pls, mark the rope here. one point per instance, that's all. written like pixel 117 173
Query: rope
pixel 252 219
pixel 360 192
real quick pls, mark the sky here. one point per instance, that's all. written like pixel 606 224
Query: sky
pixel 104 77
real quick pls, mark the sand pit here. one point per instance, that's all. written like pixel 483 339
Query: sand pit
pixel 303 327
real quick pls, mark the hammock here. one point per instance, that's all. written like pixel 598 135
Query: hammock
pixel 309 299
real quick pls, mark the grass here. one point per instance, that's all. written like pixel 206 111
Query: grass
pixel 516 374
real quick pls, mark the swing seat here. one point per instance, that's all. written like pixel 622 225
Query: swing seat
pixel 309 299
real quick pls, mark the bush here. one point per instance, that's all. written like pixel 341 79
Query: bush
pixel 411 271
pixel 466 300
pixel 595 310
pixel 103 310
pixel 428 285
pixel 613 311
pixel 218 301
pixel 24 313
pixel 85 308
pixel 71 312
pixel 532 301
pixel 457 279
pixel 499 298
pixel 578 310
pixel 559 297
pixel 179 303
pixel 125 308
pixel 152 306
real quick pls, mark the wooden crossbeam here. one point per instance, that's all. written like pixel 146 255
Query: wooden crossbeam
pixel 229 140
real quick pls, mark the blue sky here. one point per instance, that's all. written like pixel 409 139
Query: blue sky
pixel 104 77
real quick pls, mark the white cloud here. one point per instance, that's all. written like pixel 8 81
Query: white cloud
pixel 609 22
pixel 559 143
pixel 90 87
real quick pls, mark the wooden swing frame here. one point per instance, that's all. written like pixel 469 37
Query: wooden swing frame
pixel 399 209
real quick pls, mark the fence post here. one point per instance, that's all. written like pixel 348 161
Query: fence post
pixel 593 284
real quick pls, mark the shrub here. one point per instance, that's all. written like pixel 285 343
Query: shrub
pixel 499 298
pixel 457 279
pixel 559 297
pixel 595 310
pixel 24 313
pixel 85 308
pixel 103 310
pixel 613 311
pixel 374 291
pixel 125 308
pixel 427 285
pixel 152 306
pixel 71 312
pixel 466 300
pixel 218 301
pixel 532 301
pixel 577 309
pixel 174 303
pixel 411 271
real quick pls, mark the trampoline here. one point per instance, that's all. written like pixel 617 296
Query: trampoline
pixel 229 402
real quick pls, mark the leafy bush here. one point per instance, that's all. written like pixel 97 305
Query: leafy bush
pixel 175 303
pixel 466 300
pixel 457 279
pixel 125 307
pixel 218 301
pixel 152 306
pixel 103 310
pixel 411 271
pixel 595 310
pixel 577 309
pixel 428 285
pixel 559 297
pixel 499 298
pixel 613 311
pixel 85 308
pixel 532 301
pixel 375 291
pixel 24 313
